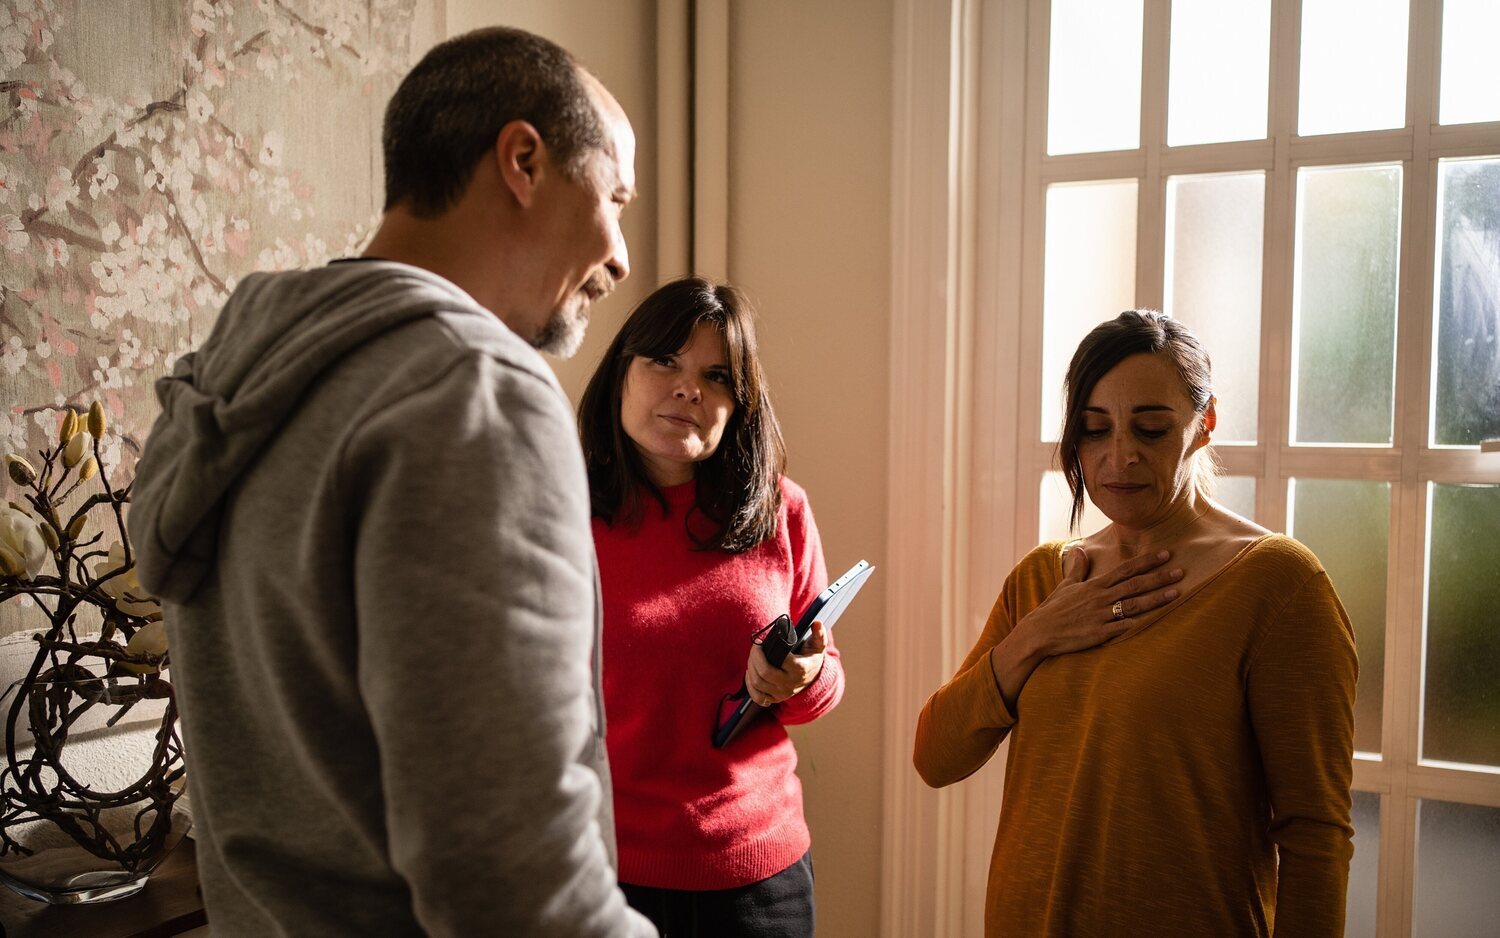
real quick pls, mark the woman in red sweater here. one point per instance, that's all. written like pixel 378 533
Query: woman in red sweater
pixel 702 543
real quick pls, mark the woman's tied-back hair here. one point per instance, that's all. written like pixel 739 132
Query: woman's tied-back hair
pixel 739 487
pixel 1133 332
pixel 448 111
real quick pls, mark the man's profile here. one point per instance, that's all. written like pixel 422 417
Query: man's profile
pixel 365 509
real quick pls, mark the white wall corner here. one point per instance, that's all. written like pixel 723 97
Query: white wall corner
pixel 923 846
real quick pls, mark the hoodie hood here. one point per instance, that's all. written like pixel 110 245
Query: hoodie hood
pixel 223 403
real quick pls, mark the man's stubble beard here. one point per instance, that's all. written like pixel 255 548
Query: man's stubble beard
pixel 562 336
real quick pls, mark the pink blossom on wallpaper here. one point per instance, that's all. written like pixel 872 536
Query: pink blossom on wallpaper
pixel 237 238
pixel 199 107
pixel 13 235
pixel 12 355
pixel 12 44
pixel 53 336
pixel 57 252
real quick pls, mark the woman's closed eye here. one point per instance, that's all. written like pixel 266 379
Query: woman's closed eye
pixel 1145 433
pixel 719 375
pixel 1151 433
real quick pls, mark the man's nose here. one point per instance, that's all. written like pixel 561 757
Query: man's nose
pixel 618 263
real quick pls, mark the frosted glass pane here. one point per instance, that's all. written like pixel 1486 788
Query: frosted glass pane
pixel 1088 275
pixel 1057 502
pixel 1214 226
pixel 1461 686
pixel 1466 374
pixel 1458 865
pixel 1094 76
pixel 1348 525
pixel 1237 493
pixel 1353 66
pixel 1364 867
pixel 1470 89
pixel 1344 304
pixel 1220 55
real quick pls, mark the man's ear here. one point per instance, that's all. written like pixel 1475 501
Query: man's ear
pixel 520 155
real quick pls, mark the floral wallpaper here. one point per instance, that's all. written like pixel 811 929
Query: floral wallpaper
pixel 152 152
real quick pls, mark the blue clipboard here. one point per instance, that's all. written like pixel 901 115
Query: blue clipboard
pixel 828 607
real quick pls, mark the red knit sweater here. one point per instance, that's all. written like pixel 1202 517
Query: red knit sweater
pixel 677 630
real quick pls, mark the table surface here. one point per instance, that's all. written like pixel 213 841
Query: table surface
pixel 169 905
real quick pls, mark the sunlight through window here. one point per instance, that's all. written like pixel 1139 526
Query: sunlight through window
pixel 1220 56
pixel 1470 83
pixel 1094 80
pixel 1353 65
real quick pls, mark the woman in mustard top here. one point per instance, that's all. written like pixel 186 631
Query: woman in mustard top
pixel 1181 738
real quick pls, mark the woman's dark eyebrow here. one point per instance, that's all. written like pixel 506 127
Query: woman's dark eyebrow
pixel 1142 409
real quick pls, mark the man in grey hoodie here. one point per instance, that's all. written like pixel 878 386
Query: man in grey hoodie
pixel 365 509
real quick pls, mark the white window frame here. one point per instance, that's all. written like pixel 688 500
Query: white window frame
pixel 969 181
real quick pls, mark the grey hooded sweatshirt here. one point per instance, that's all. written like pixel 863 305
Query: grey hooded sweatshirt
pixel 365 509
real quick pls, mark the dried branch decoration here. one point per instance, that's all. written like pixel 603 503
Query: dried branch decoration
pixel 72 673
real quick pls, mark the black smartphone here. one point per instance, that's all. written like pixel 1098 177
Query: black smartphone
pixel 777 641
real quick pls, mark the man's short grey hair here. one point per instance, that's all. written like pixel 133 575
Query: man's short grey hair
pixel 448 111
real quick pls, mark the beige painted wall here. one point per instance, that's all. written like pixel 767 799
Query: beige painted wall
pixel 616 40
pixel 809 196
pixel 809 199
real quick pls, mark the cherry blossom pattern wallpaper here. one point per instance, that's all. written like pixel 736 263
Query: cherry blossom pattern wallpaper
pixel 153 152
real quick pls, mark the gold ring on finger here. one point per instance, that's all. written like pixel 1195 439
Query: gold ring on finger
pixel 1117 611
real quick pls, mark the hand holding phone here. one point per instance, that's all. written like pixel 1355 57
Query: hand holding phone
pixel 780 666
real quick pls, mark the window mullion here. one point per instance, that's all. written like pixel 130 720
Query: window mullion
pixel 1150 200
pixel 1277 264
pixel 1402 710
pixel 1405 651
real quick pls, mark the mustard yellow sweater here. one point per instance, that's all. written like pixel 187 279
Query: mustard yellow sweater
pixel 1153 782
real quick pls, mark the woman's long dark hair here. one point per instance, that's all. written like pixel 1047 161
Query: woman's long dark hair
pixel 739 489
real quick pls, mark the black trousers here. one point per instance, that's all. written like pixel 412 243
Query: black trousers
pixel 779 906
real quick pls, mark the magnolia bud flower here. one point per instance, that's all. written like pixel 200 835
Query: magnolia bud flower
pixel 97 421
pixel 73 452
pixel 87 470
pixel 69 426
pixel 20 470
pixel 49 534
pixel 149 641
pixel 22 548
pixel 75 527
